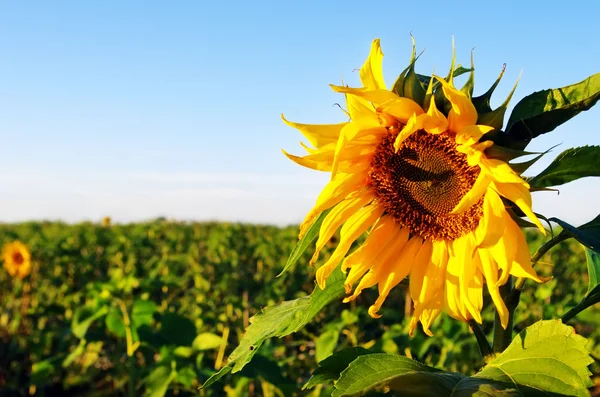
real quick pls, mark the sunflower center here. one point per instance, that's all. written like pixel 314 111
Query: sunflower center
pixel 423 182
pixel 18 258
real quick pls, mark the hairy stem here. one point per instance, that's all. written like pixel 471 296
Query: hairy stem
pixel 484 346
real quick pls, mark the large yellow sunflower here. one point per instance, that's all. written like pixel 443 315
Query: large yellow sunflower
pixel 419 182
pixel 17 259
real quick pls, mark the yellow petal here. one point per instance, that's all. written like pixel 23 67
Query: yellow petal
pixel 436 123
pixel 401 108
pixel 463 112
pixel 363 258
pixel 519 194
pixel 419 269
pixel 395 270
pixel 414 124
pixel 334 192
pixel 464 246
pixel 471 134
pixel 501 171
pixel 338 215
pixel 380 264
pixel 477 191
pixel 376 97
pixel 521 265
pixel 491 225
pixel 434 278
pixel 371 73
pixel 490 272
pixel 356 225
pixel 316 161
pixel 317 134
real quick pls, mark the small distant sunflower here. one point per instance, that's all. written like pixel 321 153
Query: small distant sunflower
pixel 417 179
pixel 17 259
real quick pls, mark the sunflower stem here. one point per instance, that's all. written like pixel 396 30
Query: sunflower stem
pixel 484 345
pixel 503 337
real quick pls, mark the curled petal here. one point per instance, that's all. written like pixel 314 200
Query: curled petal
pixel 371 73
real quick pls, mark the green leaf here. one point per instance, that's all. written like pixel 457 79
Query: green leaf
pixel 546 356
pixel 326 343
pixel 114 322
pixel 369 371
pixel 570 165
pixel 281 320
pixel 186 376
pixel 520 168
pixel 593 292
pixel 158 381
pixel 543 111
pixel 207 341
pixel 142 312
pixel 43 370
pixel 587 234
pixel 84 317
pixel 308 238
pixel 330 369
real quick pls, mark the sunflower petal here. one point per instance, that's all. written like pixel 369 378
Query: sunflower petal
pixel 334 219
pixel 471 134
pixel 491 225
pixel 334 192
pixel 463 112
pixel 356 225
pixel 519 194
pixel 477 191
pixel 317 134
pixel 395 270
pixel 490 272
pixel 436 123
pixel 371 73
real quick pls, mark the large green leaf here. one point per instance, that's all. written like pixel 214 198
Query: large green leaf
pixel 546 359
pixel 301 246
pixel 568 166
pixel 593 292
pixel 331 368
pixel 372 370
pixel 587 234
pixel 546 356
pixel 281 320
pixel 543 111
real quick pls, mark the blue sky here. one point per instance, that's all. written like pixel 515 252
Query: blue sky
pixel 144 108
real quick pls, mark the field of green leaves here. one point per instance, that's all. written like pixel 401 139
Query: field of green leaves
pixel 155 308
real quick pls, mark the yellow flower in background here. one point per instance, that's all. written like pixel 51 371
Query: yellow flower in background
pixel 420 184
pixel 17 259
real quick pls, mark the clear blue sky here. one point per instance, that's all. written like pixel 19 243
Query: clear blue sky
pixel 145 108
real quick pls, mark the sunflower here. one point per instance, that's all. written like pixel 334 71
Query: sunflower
pixel 418 181
pixel 17 259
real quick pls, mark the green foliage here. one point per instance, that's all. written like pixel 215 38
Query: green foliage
pixel 189 290
pixel 547 358
pixel 543 111
pixel 568 166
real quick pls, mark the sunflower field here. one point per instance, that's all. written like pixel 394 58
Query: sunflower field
pixel 156 308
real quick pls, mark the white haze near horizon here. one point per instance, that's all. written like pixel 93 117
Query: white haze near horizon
pixel 203 196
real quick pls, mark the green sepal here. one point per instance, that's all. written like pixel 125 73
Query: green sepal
pixel 482 103
pixel 505 154
pixel 467 89
pixel 412 86
pixel 495 118
pixel 543 111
